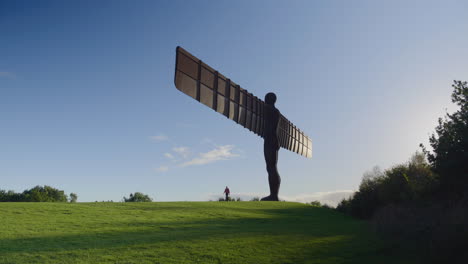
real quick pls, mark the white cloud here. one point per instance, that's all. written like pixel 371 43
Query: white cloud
pixel 183 156
pixel 243 196
pixel 162 169
pixel 7 74
pixel 159 138
pixel 184 152
pixel 331 198
pixel 169 156
pixel 219 153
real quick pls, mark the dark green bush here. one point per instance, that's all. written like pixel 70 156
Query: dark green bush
pixel 449 157
pixel 420 204
pixel 402 183
pixel 73 197
pixel 37 194
pixel 316 203
pixel 138 197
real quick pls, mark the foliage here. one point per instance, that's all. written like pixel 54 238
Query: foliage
pixel 450 145
pixel 316 203
pixel 255 199
pixel 37 194
pixel 445 175
pixel 73 197
pixel 138 197
pixel 319 204
pixel 44 194
pixel 402 183
pixel 187 232
pixel 10 196
pixel 436 227
pixel 425 203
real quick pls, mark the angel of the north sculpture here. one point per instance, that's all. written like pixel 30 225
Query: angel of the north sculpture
pixel 211 88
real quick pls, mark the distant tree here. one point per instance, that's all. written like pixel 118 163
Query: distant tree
pixel 370 177
pixel 37 194
pixel 138 197
pixel 315 203
pixel 450 144
pixel 44 194
pixel 73 197
pixel 402 183
pixel 255 199
pixel 10 196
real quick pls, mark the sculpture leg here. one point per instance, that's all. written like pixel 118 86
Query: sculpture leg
pixel 274 179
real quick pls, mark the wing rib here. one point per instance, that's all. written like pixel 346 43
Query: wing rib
pixel 206 85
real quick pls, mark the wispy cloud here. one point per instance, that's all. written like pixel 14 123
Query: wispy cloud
pixel 7 74
pixel 169 156
pixel 159 138
pixel 183 156
pixel 219 153
pixel 162 169
pixel 184 152
pixel 331 198
pixel 243 196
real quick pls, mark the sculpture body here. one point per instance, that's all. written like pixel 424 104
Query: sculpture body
pixel 271 146
pixel 209 87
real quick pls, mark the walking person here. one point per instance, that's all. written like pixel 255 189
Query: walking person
pixel 227 192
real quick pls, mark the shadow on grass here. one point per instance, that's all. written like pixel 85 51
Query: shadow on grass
pixel 303 222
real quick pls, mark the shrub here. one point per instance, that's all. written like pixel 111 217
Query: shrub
pixel 44 194
pixel 450 145
pixel 37 194
pixel 315 203
pixel 73 197
pixel 138 197
pixel 411 181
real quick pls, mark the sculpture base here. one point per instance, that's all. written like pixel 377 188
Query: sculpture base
pixel 270 198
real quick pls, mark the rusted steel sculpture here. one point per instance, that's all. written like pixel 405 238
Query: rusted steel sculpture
pixel 211 88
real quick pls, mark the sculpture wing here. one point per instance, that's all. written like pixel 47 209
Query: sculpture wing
pixel 211 88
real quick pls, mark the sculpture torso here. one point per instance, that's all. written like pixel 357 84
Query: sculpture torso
pixel 271 118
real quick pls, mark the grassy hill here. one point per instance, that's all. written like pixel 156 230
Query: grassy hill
pixel 186 232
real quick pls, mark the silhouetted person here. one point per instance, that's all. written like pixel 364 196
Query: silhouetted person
pixel 271 145
pixel 227 192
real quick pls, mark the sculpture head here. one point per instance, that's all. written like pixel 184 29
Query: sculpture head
pixel 270 98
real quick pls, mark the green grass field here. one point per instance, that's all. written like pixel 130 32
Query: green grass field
pixel 186 232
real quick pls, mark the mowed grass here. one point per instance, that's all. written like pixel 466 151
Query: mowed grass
pixel 186 232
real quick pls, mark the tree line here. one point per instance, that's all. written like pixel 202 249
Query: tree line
pixel 424 200
pixel 38 194
pixel 50 194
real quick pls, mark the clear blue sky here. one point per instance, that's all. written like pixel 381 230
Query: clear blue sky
pixel 88 104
